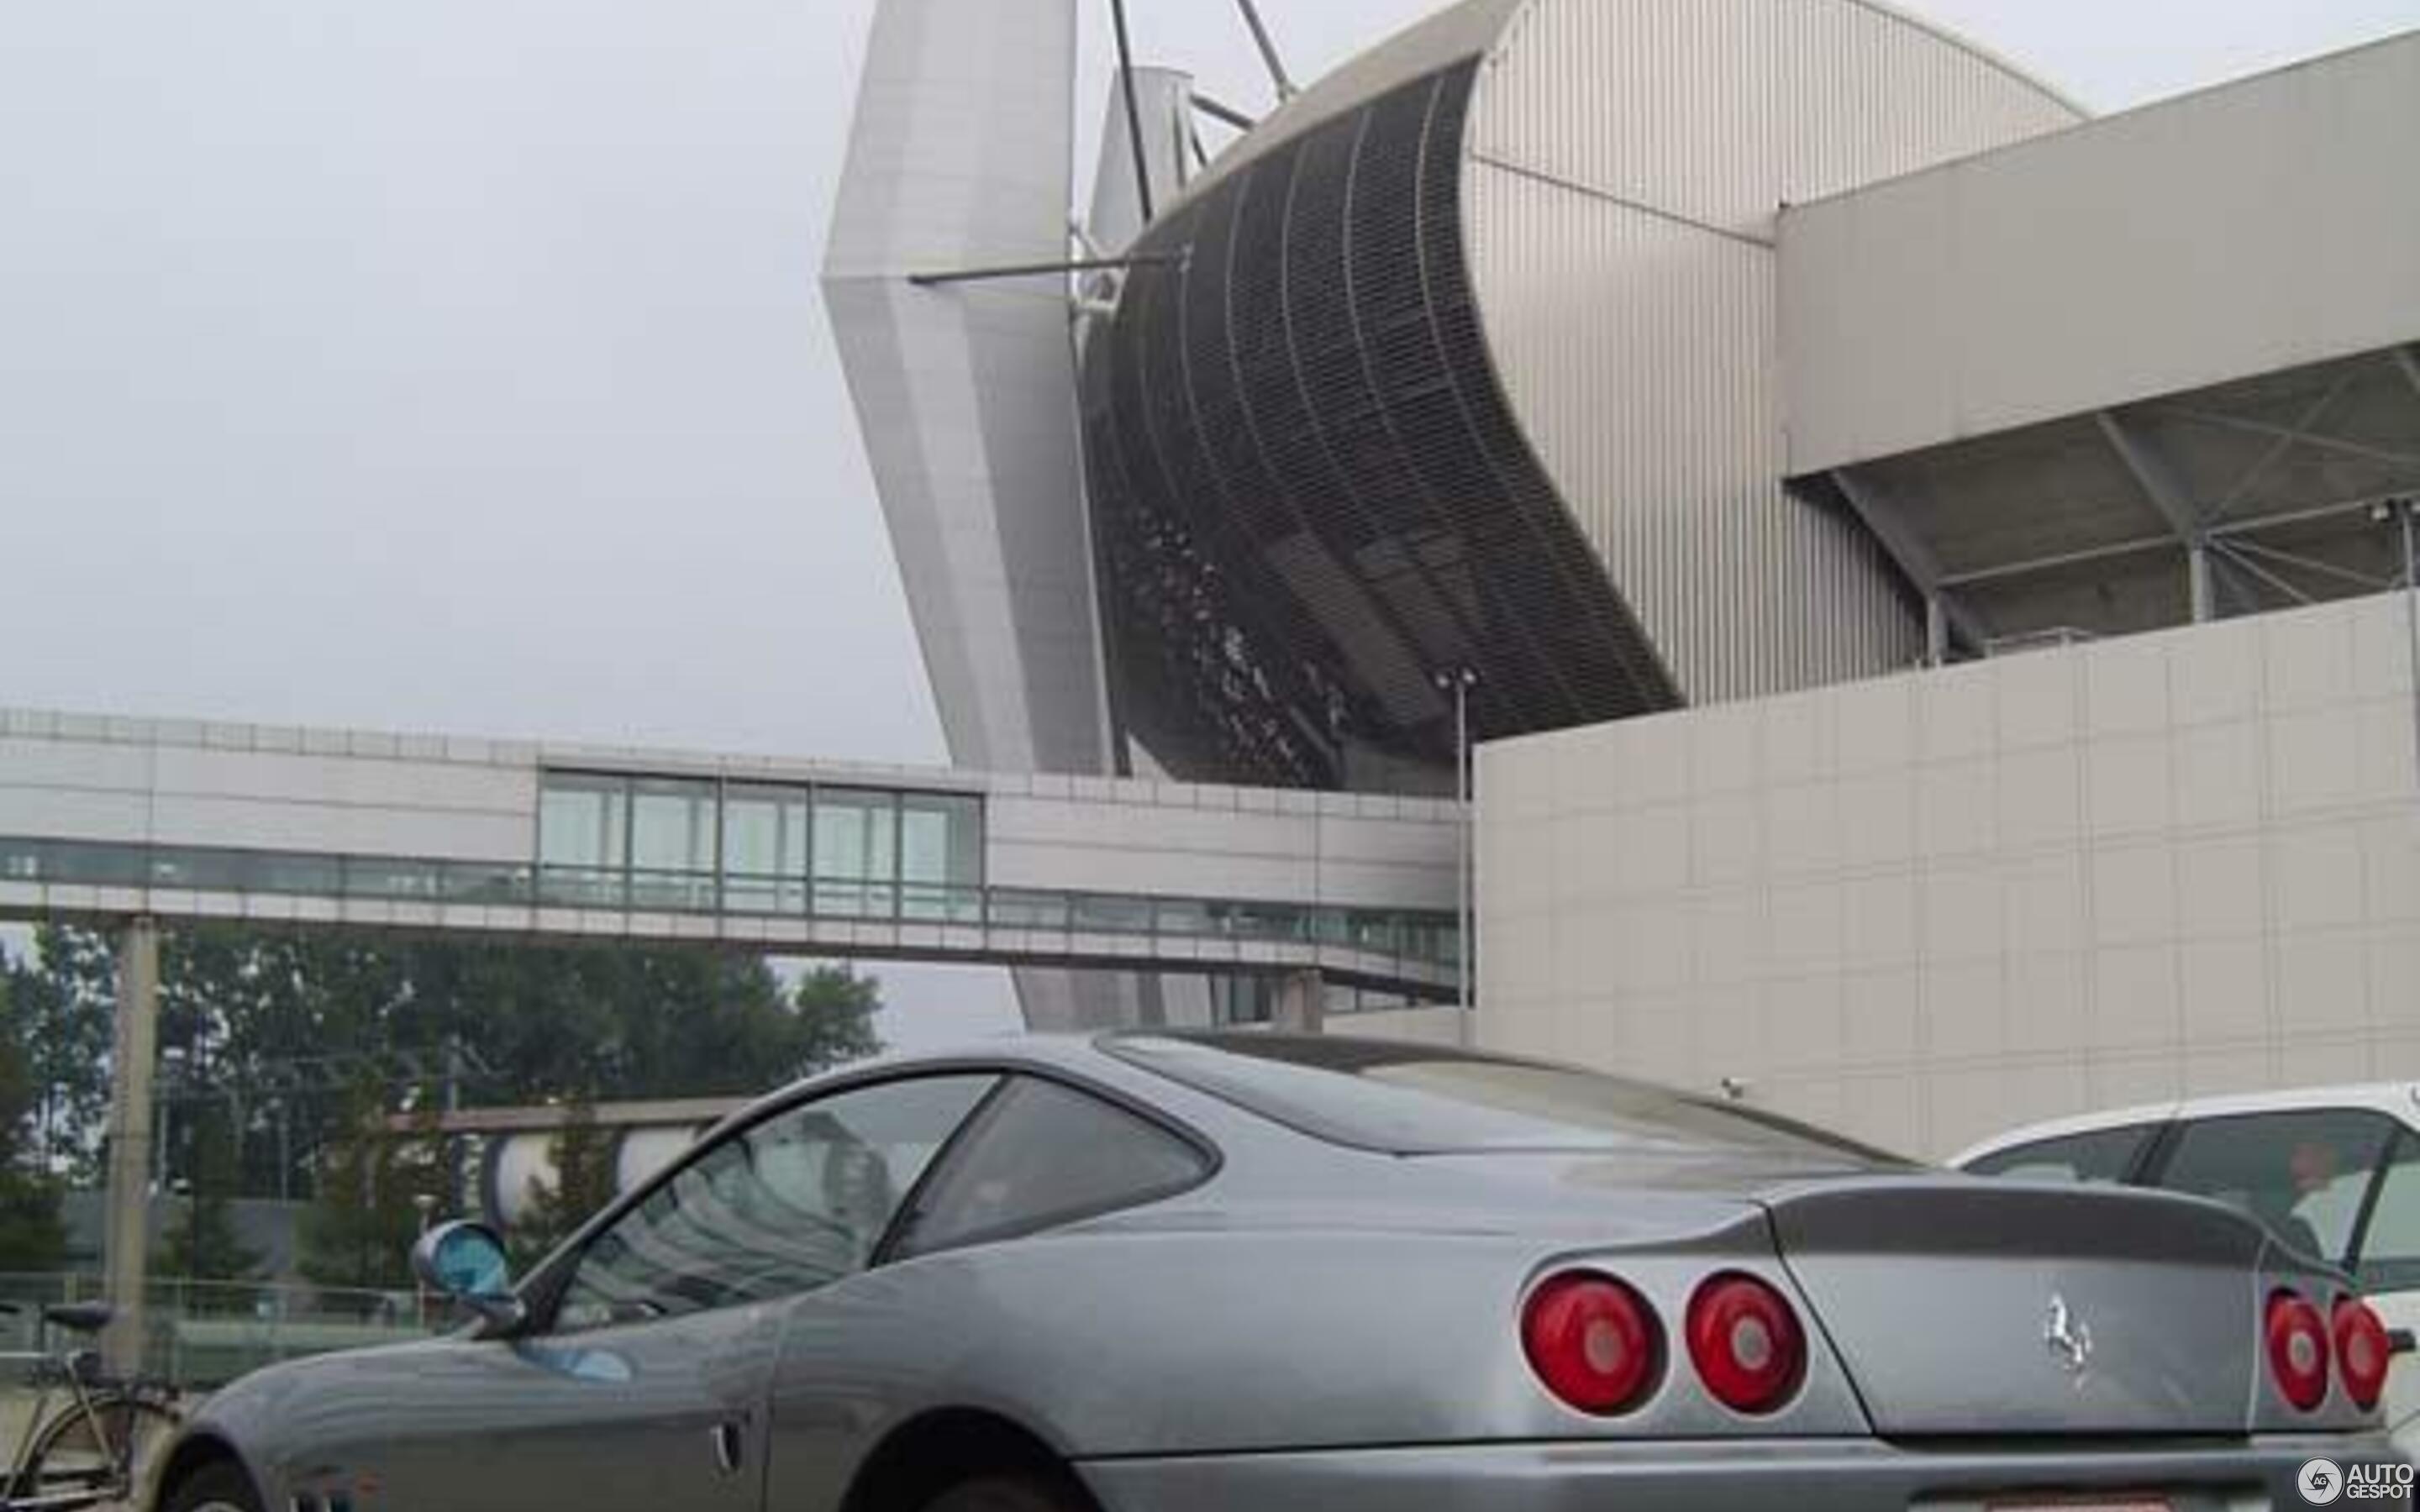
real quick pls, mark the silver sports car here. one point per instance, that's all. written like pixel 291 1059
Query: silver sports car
pixel 1160 1273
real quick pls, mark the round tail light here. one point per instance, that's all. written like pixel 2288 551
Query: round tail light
pixel 2363 1353
pixel 1746 1343
pixel 1593 1341
pixel 2298 1349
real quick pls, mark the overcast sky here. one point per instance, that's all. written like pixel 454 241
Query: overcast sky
pixel 458 364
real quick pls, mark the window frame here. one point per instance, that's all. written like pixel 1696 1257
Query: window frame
pixel 542 1289
pixel 987 1113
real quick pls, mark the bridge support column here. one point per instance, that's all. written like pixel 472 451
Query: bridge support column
pixel 1302 1003
pixel 133 1059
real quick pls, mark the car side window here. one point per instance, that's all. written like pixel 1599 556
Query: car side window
pixel 1045 1153
pixel 2102 1155
pixel 2303 1173
pixel 790 1203
pixel 2390 1246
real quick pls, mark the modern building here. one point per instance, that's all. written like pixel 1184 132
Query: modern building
pixel 1680 367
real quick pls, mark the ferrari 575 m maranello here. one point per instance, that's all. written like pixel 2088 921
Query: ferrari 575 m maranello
pixel 1164 1272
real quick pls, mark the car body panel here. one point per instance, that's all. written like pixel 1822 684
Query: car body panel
pixel 1311 1302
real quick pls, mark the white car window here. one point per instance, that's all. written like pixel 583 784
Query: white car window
pixel 2302 1173
pixel 2099 1156
pixel 2390 1248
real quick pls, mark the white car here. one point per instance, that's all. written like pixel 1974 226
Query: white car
pixel 2334 1172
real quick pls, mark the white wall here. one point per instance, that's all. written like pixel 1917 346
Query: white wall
pixel 1927 907
pixel 2239 230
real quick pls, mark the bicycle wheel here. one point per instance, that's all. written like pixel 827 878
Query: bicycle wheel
pixel 102 1454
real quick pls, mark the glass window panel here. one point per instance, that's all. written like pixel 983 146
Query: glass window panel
pixel 2099 1155
pixel 1046 1154
pixel 785 1206
pixel 2301 1173
pixel 582 820
pixel 941 838
pixel 764 850
pixel 671 826
pixel 856 851
pixel 1113 915
pixel 2390 1248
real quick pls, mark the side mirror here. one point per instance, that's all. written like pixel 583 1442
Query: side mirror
pixel 465 1262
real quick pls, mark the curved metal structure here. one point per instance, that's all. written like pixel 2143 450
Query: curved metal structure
pixel 1462 360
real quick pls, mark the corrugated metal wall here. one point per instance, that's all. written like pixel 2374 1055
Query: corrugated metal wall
pixel 1626 165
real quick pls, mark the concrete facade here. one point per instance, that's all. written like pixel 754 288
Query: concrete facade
pixel 2260 225
pixel 1927 907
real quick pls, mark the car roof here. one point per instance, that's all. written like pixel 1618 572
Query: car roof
pixel 2397 1099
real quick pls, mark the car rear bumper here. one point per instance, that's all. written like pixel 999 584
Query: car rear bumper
pixel 1740 1475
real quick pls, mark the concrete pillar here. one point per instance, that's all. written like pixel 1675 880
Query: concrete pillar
pixel 133 1059
pixel 1302 1003
pixel 1937 631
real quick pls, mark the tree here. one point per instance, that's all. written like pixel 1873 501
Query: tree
pixel 201 1241
pixel 361 1223
pixel 31 1235
pixel 584 1180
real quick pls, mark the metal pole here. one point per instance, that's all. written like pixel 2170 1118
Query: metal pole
pixel 2412 617
pixel 1462 845
pixel 126 1236
pixel 1268 49
pixel 1134 110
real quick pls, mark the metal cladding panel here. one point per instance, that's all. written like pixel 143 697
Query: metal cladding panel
pixel 959 157
pixel 1164 106
pixel 2242 231
pixel 1625 166
pixel 1650 393
pixel 1309 494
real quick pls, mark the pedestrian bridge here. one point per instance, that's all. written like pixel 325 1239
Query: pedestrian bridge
pixel 110 819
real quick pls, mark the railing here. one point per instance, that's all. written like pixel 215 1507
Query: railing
pixel 208 1332
pixel 1422 940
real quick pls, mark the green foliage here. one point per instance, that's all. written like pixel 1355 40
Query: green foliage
pixel 201 1239
pixel 285 1052
pixel 585 1179
pixel 31 1235
pixel 360 1227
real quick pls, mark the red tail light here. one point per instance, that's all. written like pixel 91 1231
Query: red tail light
pixel 1746 1343
pixel 1593 1341
pixel 2363 1351
pixel 2298 1349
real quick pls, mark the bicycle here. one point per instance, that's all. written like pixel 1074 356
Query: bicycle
pixel 94 1449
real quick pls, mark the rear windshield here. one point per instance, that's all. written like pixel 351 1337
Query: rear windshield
pixel 1413 1100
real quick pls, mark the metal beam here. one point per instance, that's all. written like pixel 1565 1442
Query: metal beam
pixel 2289 435
pixel 1884 519
pixel 1278 78
pixel 2159 482
pixel 1134 110
pixel 2153 475
pixel 1218 111
pixel 2229 550
pixel 1071 265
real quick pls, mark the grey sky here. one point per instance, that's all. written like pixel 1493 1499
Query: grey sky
pixel 458 365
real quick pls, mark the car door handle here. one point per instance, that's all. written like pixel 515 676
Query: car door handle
pixel 730 1448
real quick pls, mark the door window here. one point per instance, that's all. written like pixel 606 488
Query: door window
pixel 1045 1155
pixel 2302 1173
pixel 2102 1155
pixel 2390 1246
pixel 793 1202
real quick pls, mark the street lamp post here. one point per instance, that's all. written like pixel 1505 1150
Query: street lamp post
pixel 1458 682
